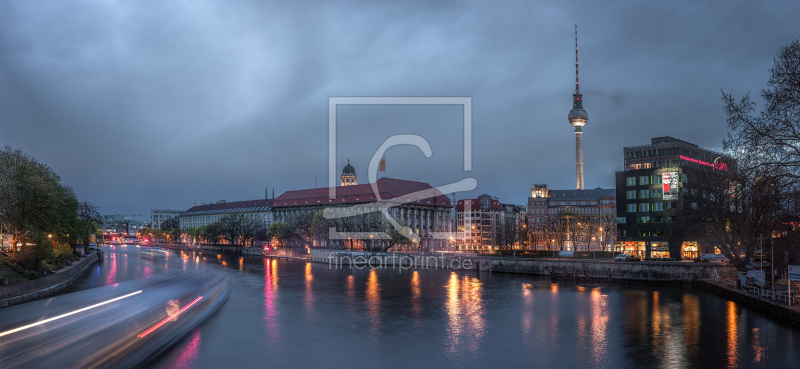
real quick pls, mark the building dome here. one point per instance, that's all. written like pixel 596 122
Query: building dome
pixel 348 169
pixel 349 177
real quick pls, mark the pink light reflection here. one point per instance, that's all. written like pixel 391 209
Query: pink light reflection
pixel 270 293
pixel 188 354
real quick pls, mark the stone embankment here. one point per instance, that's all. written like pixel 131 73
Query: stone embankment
pixel 770 307
pixel 234 250
pixel 556 268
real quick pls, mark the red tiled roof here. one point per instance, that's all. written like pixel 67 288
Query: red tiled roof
pixel 389 189
pixel 229 207
pixel 476 204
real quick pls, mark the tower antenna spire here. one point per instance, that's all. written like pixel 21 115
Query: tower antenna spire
pixel 578 118
pixel 577 85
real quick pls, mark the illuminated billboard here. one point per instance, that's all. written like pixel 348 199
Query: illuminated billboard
pixel 669 182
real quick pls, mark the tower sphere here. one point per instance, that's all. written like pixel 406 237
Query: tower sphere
pixel 578 117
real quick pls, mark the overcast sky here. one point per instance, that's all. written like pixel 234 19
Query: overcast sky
pixel 142 105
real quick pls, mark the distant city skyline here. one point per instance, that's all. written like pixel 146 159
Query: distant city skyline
pixel 142 106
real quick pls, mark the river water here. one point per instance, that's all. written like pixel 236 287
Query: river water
pixel 290 313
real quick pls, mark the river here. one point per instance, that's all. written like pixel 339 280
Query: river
pixel 290 313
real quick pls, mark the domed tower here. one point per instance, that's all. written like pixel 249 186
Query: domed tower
pixel 349 177
pixel 578 118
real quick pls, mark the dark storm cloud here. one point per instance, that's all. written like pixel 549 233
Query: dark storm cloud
pixel 159 104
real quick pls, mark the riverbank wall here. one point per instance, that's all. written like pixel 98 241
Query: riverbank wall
pixel 228 250
pixel 48 285
pixel 784 313
pixel 682 272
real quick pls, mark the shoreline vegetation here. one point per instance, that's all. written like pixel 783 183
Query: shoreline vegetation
pixel 42 222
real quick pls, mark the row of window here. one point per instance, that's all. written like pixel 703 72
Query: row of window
pixel 654 193
pixel 645 153
pixel 643 180
pixel 646 207
pixel 643 233
pixel 648 180
pixel 650 219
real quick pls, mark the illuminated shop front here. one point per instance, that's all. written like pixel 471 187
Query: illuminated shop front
pixel 690 250
pixel 632 248
pixel 659 250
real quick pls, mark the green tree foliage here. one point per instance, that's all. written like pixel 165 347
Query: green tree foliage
pixel 282 232
pixel 170 224
pixel 32 200
pixel 396 238
pixel 88 221
pixel 212 232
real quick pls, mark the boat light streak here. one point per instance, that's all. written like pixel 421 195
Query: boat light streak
pixel 24 327
pixel 168 318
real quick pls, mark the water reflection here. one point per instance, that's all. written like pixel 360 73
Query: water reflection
pixel 112 273
pixel 691 324
pixel 733 334
pixel 416 293
pixel 270 297
pixel 309 292
pixel 527 315
pixel 599 345
pixel 466 316
pixel 759 352
pixel 188 354
pixel 373 295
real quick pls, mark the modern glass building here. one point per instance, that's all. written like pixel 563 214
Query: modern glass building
pixel 649 196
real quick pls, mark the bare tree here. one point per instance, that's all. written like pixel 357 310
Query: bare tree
pixel 767 146
pixel 769 139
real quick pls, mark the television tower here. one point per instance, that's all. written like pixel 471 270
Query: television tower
pixel 578 118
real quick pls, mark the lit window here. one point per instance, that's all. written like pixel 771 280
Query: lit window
pixel 644 207
pixel 630 181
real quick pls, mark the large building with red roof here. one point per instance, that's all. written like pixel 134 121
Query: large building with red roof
pixel 414 204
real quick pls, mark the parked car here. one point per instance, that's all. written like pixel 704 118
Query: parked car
pixel 632 258
pixel 621 257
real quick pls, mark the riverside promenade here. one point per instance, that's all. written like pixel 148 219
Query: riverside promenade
pixel 48 285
